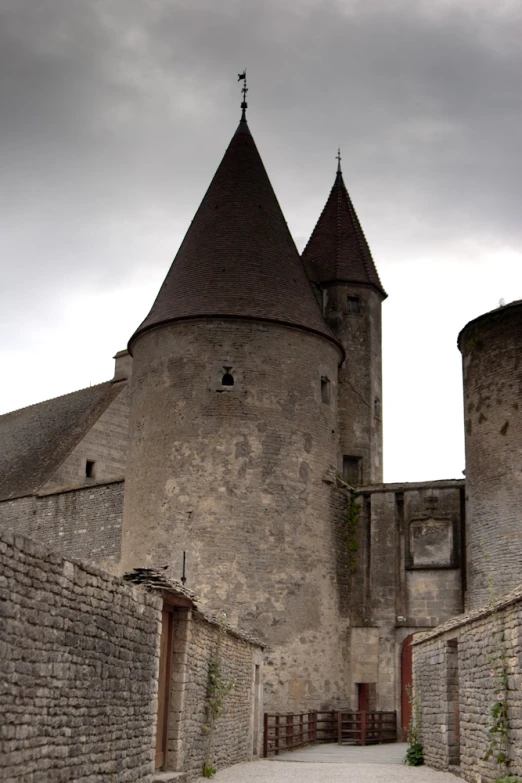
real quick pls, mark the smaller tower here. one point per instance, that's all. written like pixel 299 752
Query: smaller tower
pixel 491 348
pixel 339 264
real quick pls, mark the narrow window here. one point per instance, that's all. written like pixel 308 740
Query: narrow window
pixel 354 304
pixel 377 407
pixel 352 470
pixel 90 471
pixel 227 379
pixel 325 390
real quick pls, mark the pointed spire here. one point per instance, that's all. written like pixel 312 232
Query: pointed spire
pixel 238 258
pixel 244 90
pixel 337 249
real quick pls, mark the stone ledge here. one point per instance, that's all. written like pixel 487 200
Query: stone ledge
pixel 168 777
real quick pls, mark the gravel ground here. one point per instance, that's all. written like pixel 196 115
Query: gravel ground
pixel 305 772
pixel 312 765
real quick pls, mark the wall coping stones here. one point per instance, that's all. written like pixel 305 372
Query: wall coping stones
pixel 75 487
pixel 513 597
pixel 155 579
pixel 411 485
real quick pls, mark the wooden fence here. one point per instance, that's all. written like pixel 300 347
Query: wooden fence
pixel 286 731
pixel 366 728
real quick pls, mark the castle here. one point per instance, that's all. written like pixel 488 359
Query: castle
pixel 241 440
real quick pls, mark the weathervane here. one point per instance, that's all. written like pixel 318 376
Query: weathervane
pixel 244 90
pixel 338 158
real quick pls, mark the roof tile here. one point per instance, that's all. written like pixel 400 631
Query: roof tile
pixel 337 249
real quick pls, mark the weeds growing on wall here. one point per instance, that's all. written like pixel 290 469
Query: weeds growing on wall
pixel 352 514
pixel 498 731
pixel 415 754
pixel 217 691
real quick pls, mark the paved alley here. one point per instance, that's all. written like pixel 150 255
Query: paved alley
pixel 333 763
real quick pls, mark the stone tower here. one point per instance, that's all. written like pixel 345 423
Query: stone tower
pixel 339 262
pixel 233 428
pixel 491 347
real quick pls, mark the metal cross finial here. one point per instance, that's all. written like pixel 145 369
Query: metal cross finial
pixel 244 90
pixel 338 158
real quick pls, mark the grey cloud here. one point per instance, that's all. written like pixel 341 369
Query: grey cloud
pixel 115 115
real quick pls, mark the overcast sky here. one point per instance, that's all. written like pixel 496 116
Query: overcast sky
pixel 114 115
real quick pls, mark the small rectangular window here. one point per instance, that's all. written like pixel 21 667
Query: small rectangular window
pixel 90 471
pixel 325 390
pixel 352 470
pixel 354 304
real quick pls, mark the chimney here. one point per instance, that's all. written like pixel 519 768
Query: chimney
pixel 122 366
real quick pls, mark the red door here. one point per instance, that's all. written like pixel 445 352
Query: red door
pixel 406 682
pixel 364 696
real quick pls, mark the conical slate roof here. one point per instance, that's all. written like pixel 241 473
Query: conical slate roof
pixel 337 249
pixel 238 258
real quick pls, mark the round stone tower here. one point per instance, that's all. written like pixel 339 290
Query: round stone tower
pixel 233 432
pixel 491 348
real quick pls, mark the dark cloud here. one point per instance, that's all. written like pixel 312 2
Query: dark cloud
pixel 115 114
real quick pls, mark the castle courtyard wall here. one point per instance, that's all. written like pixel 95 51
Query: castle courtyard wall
pixel 79 661
pixel 238 734
pixel 407 575
pixel 452 668
pixel 83 523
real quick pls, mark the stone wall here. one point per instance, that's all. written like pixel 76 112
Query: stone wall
pixel 360 376
pixel 84 523
pixel 452 677
pixel 491 347
pixel 408 575
pixel 105 445
pixel 239 729
pixel 79 663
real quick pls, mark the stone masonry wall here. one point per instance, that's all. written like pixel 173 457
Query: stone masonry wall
pixel 84 523
pixel 105 444
pixel 467 649
pixel 407 576
pixel 491 347
pixel 235 476
pixel 234 735
pixel 360 376
pixel 79 658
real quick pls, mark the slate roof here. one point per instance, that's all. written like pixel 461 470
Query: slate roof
pixel 238 258
pixel 34 441
pixel 337 249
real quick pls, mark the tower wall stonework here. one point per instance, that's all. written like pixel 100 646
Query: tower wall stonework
pixel 491 348
pixel 354 314
pixel 234 477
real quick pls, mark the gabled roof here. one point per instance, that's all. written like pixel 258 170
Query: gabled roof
pixel 34 441
pixel 337 249
pixel 238 258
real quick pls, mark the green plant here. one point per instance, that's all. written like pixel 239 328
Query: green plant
pixel 414 755
pixel 352 514
pixel 217 691
pixel 508 779
pixel 498 732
